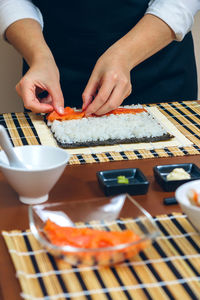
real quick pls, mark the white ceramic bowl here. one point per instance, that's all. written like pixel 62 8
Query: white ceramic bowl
pixel 192 211
pixel 46 164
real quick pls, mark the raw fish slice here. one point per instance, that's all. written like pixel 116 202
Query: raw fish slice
pixel 87 237
pixel 71 114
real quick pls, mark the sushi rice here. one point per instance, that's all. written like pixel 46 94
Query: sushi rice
pixel 122 126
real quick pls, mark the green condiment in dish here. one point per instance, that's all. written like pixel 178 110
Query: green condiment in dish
pixel 122 179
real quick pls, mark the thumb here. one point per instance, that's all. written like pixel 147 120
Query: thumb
pixel 57 99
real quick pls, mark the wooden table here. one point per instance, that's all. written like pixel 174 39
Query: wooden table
pixel 77 182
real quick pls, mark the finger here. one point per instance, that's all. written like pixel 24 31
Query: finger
pixel 101 98
pixel 90 91
pixel 57 98
pixel 26 90
pixel 86 102
pixel 116 98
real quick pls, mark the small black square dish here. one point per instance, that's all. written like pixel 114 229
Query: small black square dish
pixel 120 181
pixel 161 172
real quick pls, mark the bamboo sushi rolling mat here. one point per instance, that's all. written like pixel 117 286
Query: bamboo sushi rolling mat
pixel 167 269
pixel 182 119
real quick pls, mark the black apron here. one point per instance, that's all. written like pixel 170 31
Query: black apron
pixel 79 32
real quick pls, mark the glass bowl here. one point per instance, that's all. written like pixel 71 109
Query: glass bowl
pixel 115 214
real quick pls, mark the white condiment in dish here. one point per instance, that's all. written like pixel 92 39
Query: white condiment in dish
pixel 178 174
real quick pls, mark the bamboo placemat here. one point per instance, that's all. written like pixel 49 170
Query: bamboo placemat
pixel 182 117
pixel 168 269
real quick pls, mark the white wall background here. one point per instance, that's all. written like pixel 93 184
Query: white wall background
pixel 10 73
pixel 11 65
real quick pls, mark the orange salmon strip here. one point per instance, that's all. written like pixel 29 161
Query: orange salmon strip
pixel 71 114
pixel 122 110
pixel 87 237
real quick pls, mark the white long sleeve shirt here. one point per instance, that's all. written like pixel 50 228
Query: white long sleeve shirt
pixel 178 14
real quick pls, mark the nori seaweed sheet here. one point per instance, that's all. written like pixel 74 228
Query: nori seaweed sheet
pixel 163 137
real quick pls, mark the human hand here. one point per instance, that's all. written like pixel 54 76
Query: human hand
pixel 109 83
pixel 43 75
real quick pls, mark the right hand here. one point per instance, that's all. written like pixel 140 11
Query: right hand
pixel 43 75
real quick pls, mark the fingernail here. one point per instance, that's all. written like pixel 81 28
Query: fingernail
pixel 60 110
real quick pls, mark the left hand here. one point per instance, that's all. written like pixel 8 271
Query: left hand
pixel 109 83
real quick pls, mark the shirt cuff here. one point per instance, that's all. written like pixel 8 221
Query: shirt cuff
pixel 12 11
pixel 175 14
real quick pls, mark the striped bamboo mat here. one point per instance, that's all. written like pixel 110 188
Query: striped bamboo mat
pixel 168 269
pixel 185 116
